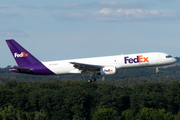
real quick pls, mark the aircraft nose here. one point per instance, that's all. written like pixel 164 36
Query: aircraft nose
pixel 174 60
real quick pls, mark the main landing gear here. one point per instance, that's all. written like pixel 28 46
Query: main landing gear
pixel 92 79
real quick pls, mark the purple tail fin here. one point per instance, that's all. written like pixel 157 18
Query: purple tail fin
pixel 22 56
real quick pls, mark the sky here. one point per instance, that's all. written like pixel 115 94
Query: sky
pixel 59 29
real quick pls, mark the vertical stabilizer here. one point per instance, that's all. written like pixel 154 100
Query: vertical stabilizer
pixel 21 55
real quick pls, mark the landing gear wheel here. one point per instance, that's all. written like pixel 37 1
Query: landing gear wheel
pixel 89 80
pixel 93 79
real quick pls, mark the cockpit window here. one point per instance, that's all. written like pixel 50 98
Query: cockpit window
pixel 168 56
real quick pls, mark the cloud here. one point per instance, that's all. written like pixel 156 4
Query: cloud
pixel 12 33
pixel 3 6
pixel 106 11
pixel 28 7
pixel 90 5
pixel 166 0
pixel 94 11
pixel 8 11
pixel 124 4
pixel 102 4
pixel 65 6
pixel 9 15
pixel 108 14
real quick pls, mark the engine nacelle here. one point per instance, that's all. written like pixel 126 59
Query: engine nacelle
pixel 107 71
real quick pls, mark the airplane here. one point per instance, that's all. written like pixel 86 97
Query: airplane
pixel 108 65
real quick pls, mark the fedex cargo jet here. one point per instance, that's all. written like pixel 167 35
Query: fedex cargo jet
pixel 108 65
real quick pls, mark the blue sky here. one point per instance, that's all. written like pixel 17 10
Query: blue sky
pixel 57 30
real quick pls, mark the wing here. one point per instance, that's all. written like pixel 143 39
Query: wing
pixel 86 67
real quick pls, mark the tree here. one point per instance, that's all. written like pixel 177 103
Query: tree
pixel 127 115
pixel 104 114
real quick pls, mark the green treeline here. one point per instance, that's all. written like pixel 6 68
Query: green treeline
pixel 78 100
pixel 125 76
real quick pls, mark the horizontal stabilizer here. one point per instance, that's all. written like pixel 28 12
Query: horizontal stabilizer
pixel 19 68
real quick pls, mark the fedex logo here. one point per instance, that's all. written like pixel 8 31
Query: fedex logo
pixel 108 70
pixel 23 54
pixel 138 59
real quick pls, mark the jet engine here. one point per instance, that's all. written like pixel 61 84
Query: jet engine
pixel 107 71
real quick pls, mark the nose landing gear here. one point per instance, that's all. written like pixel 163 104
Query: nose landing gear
pixel 157 70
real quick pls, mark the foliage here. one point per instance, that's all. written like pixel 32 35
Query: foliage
pixel 80 100
pixel 135 94
pixel 11 113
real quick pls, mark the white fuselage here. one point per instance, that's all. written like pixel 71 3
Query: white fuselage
pixel 64 67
